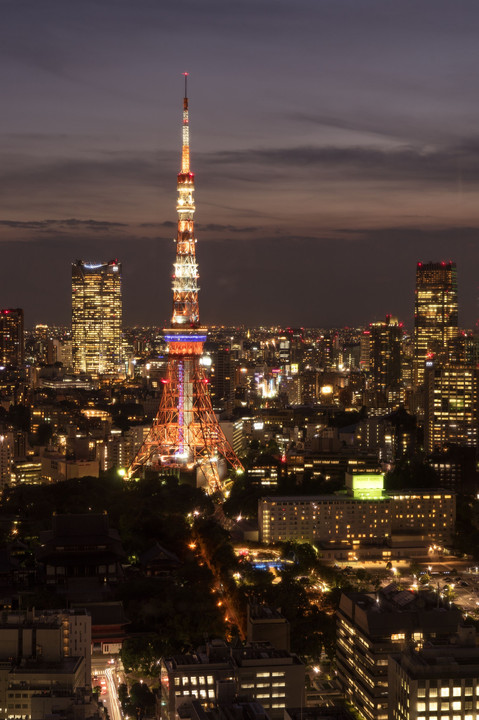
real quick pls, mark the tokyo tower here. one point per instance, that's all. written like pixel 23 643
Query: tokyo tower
pixel 186 433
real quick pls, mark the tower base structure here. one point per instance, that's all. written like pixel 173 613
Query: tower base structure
pixel 186 433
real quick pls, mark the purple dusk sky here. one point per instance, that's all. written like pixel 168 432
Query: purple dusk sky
pixel 335 143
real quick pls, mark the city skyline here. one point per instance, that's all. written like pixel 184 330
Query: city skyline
pixel 334 147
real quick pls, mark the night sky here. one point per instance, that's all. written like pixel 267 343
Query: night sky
pixel 335 143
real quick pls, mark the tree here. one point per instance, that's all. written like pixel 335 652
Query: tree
pixel 414 473
pixel 123 695
pixel 141 698
pixel 138 654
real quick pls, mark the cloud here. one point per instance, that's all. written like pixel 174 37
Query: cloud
pixel 165 224
pixel 411 164
pixel 46 225
pixel 214 227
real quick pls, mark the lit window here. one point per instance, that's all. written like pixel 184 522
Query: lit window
pixel 445 692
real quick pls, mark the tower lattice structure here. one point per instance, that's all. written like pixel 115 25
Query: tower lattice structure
pixel 185 432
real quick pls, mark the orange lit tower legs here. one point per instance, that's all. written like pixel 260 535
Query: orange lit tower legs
pixel 185 432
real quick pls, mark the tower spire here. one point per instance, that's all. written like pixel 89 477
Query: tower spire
pixel 185 155
pixel 185 277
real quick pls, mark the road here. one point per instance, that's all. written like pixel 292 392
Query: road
pixel 113 704
pixel 101 668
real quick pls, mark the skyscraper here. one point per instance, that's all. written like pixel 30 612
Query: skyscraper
pixel 436 311
pixel 451 405
pixel 12 346
pixel 385 354
pixel 96 317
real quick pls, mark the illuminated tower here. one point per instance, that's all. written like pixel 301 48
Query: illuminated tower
pixel 185 433
pixel 96 317
pixel 435 315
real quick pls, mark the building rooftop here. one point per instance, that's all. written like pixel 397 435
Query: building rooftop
pixel 263 653
pixel 236 710
pixel 262 612
pixel 318 713
pixel 393 610
pixel 66 666
pixel 440 661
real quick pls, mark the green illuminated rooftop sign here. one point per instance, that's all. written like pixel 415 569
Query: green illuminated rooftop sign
pixel 368 485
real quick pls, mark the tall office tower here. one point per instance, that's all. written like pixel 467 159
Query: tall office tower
pixel 435 314
pixel 451 405
pixel 385 354
pixel 12 345
pixel 185 433
pixel 296 338
pixel 96 317
pixel 222 379
pixel 365 350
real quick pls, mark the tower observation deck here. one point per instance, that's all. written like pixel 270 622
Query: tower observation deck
pixel 185 433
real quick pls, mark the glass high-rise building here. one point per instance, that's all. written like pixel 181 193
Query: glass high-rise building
pixel 435 314
pixel 96 317
pixel 451 406
pixel 385 354
pixel 12 346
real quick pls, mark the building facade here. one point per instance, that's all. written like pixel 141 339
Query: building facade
pixel 372 627
pixel 335 518
pixel 437 681
pixel 96 317
pixel 44 655
pixel 12 345
pixel 274 678
pixel 435 313
pixel 451 405
pixel 385 354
